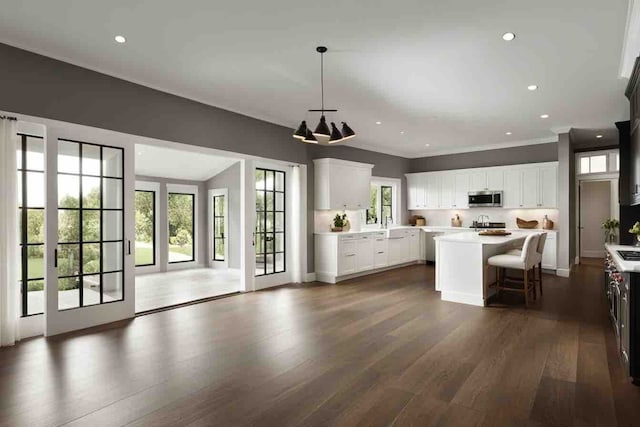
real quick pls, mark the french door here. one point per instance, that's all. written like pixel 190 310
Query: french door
pixel 90 195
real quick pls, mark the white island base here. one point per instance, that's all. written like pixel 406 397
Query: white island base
pixel 462 272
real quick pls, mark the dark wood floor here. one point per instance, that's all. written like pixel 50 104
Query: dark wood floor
pixel 379 350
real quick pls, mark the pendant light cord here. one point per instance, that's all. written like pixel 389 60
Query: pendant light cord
pixel 322 79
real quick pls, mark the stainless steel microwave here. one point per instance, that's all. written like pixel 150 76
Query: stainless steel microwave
pixel 485 199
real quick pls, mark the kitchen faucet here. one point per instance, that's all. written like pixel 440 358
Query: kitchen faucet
pixel 481 220
pixel 385 224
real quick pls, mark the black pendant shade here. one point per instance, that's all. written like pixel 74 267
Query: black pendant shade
pixel 323 134
pixel 347 132
pixel 335 134
pixel 322 129
pixel 310 138
pixel 301 133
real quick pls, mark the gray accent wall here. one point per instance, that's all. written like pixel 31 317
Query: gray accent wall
pixel 230 179
pixel 162 220
pixel 537 153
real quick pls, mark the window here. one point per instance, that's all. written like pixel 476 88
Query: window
pixel 145 228
pixel 270 232
pixel 181 231
pixel 30 157
pixel 372 211
pixel 599 162
pixel 382 201
pixel 90 252
pixel 386 202
pixel 218 227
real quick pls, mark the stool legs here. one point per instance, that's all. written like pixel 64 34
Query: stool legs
pixel 526 288
pixel 540 272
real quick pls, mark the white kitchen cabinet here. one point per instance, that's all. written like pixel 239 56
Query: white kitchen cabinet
pixel 512 194
pixel 413 242
pixel 347 260
pixel 380 252
pixel 340 184
pixel 364 253
pixel 549 186
pixel 416 192
pixel 398 252
pixel 433 191
pixel 478 180
pixel 461 191
pixel 448 191
pixel 550 252
pixel 530 188
pixel 495 179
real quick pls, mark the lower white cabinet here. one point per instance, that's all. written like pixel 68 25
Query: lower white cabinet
pixel 550 252
pixel 339 256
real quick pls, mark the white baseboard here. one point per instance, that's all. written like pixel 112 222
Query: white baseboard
pixel 332 278
pixel 462 298
pixel 309 277
pixel 563 272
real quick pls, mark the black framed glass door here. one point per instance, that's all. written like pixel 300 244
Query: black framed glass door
pixel 89 257
pixel 270 231
pixel 145 228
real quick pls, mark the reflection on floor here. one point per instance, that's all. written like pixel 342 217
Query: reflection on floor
pixel 159 290
pixel 68 299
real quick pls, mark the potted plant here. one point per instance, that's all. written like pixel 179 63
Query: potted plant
pixel 636 230
pixel 339 222
pixel 610 226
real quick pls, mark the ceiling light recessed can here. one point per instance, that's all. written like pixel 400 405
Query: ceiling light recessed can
pixel 508 37
pixel 426 145
pixel 120 39
pixel 378 123
pixel 532 87
pixel 401 132
pixel 507 133
pixel 544 116
pixel 598 136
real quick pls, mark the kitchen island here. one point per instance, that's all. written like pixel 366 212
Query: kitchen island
pixel 462 272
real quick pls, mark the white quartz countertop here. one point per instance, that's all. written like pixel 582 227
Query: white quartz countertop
pixel 475 238
pixel 365 231
pixel 623 266
pixel 437 228
pixel 428 229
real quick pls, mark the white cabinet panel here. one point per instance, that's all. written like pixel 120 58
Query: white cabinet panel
pixel 347 257
pixel 416 192
pixel 413 242
pixel 530 184
pixel 397 250
pixel 495 179
pixel 478 181
pixel 340 184
pixel 433 191
pixel 448 191
pixel 380 252
pixel 549 253
pixel 512 189
pixel 549 186
pixel 461 191
pixel 364 253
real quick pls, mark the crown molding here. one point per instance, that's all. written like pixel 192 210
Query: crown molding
pixel 561 129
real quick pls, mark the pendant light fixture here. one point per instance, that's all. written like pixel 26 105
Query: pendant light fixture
pixel 323 134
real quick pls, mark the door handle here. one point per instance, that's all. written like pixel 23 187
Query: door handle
pixel 55 258
pixel 128 247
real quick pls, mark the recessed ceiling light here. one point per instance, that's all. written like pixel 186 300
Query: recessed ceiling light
pixel 532 87
pixel 426 145
pixel 544 116
pixel 378 123
pixel 508 37
pixel 598 136
pixel 508 133
pixel 120 39
pixel 401 132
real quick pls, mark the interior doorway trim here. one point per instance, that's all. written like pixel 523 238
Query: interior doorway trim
pixel 153 187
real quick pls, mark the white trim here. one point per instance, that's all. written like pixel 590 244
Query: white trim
pixel 396 185
pixel 561 129
pixel 563 272
pixel 186 189
pixel 210 194
pixel 155 187
pixel 631 42
pixel 309 277
pixel 462 298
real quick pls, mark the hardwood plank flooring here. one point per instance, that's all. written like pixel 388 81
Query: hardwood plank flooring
pixel 378 350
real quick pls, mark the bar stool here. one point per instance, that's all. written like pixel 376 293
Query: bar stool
pixel 525 262
pixel 539 251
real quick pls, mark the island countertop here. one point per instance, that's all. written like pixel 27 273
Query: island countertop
pixel 474 238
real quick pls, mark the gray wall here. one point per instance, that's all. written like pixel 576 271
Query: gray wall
pixel 161 219
pixel 564 201
pixel 477 159
pixel 39 86
pixel 230 179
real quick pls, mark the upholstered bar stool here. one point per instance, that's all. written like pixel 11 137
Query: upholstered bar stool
pixel 538 266
pixel 523 262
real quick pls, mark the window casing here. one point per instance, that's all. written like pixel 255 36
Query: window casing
pixel 598 162
pixel 384 202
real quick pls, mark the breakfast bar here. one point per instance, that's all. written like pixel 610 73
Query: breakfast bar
pixel 462 272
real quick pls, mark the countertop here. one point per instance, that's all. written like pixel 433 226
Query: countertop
pixel 623 266
pixel 365 231
pixel 475 238
pixel 428 229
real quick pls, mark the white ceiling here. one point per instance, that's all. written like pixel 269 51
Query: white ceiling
pixel 164 162
pixel 437 70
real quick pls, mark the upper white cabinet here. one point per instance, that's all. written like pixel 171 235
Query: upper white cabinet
pixel 340 184
pixel 524 186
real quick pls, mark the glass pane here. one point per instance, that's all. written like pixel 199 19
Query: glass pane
pixel 35 262
pixel 270 242
pixel 259 179
pixel 35 190
pixel 386 195
pixel 68 157
pixel 112 197
pixel 113 287
pixel 617 161
pixel 35 154
pixel 19 193
pixel 90 159
pixel 260 201
pixel 181 227
pixel 112 256
pixel 112 162
pixel 260 221
pixel 219 249
pixel 219 228
pixel 279 242
pixel 91 258
pixel 112 225
pixel 35 225
pixel 90 226
pixel 259 243
pixel 279 221
pixel 144 253
pixel 91 290
pixel 598 164
pixel 68 191
pixel 68 263
pixel 35 297
pixel 279 263
pixel 269 180
pixel 68 294
pixel 68 226
pixel 584 165
pixel 219 205
pixel 386 212
pixel 279 181
pixel 270 221
pixel 269 201
pixel 280 201
pixel 144 227
pixel 90 192
pixel 270 264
